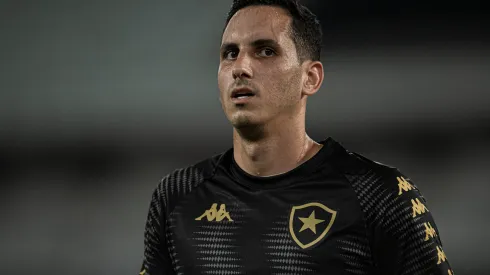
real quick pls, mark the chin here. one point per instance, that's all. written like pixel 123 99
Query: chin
pixel 240 122
pixel 243 120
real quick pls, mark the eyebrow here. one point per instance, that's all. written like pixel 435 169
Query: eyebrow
pixel 256 44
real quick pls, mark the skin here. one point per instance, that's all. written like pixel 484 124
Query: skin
pixel 257 52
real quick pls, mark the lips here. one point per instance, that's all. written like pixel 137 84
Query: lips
pixel 242 93
pixel 242 96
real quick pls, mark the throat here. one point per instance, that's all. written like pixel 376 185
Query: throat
pixel 272 158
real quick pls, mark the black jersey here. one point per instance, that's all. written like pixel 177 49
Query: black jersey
pixel 337 213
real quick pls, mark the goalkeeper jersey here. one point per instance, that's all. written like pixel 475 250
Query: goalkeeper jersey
pixel 337 213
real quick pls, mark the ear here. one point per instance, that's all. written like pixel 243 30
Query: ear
pixel 313 77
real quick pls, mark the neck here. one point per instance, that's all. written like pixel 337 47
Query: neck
pixel 273 149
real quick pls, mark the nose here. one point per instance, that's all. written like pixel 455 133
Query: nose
pixel 242 67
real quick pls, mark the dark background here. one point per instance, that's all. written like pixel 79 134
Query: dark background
pixel 100 99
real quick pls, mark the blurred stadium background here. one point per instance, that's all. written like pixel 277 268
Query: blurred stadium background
pixel 100 99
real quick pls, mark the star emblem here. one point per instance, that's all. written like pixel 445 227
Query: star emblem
pixel 310 222
pixel 298 222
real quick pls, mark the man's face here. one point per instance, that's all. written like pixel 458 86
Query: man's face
pixel 257 55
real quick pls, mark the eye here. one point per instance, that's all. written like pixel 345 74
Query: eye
pixel 266 52
pixel 230 54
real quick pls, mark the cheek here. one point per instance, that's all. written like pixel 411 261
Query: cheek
pixel 223 86
pixel 287 85
pixel 222 80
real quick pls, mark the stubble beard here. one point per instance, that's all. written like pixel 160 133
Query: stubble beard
pixel 247 128
pixel 253 126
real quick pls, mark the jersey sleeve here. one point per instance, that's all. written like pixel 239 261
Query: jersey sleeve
pixel 405 237
pixel 157 259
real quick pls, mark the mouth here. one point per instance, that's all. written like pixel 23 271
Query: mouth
pixel 242 93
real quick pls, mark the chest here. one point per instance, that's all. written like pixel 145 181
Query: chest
pixel 311 229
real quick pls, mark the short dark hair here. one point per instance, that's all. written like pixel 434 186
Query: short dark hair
pixel 306 31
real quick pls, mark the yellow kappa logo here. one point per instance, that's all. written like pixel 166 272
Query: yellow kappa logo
pixel 213 214
pixel 441 256
pixel 430 232
pixel 418 207
pixel 403 185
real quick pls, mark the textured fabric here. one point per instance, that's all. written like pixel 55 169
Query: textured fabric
pixel 356 253
pixel 397 226
pixel 282 254
pixel 337 213
pixel 160 255
pixel 215 245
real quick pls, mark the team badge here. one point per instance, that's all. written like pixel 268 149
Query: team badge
pixel 309 223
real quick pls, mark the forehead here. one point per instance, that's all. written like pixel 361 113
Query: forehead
pixel 258 22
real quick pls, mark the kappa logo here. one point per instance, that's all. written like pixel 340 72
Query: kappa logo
pixel 418 208
pixel 213 214
pixel 309 223
pixel 441 256
pixel 143 272
pixel 403 185
pixel 430 232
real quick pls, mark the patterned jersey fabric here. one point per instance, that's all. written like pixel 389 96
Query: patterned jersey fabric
pixel 337 213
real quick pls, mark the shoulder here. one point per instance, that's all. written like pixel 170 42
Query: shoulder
pixel 364 173
pixel 382 190
pixel 182 181
pixel 402 230
pixel 368 172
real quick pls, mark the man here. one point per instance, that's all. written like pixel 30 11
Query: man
pixel 278 202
